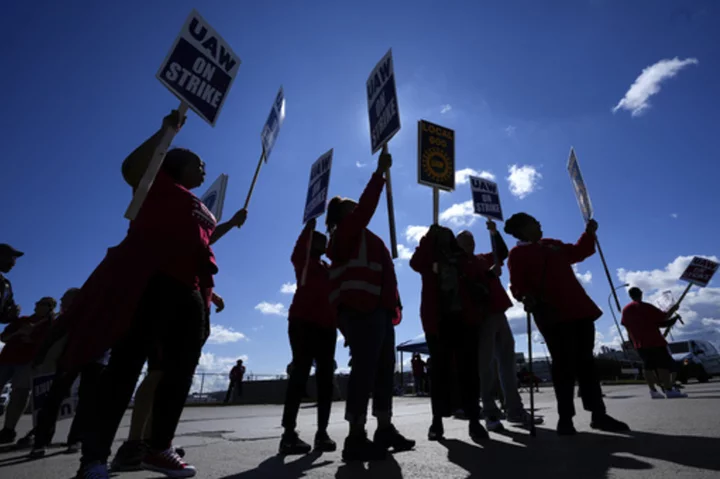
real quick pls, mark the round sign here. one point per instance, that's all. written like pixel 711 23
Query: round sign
pixel 437 165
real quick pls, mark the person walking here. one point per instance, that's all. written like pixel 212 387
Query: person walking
pixel 237 373
pixel 364 291
pixel 542 278
pixel 23 338
pixel 149 296
pixel 312 330
pixel 453 304
pixel 643 322
pixel 497 343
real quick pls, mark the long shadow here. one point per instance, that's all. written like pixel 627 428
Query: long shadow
pixel 387 469
pixel 585 455
pixel 277 468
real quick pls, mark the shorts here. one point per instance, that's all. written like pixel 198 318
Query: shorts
pixel 656 358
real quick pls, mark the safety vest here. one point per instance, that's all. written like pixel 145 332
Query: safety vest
pixel 358 282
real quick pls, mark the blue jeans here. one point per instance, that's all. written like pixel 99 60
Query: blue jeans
pixel 371 337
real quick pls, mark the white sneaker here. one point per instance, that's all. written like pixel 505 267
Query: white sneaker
pixel 672 394
pixel 494 425
pixel 657 395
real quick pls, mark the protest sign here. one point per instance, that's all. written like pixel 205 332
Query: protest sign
pixel 41 387
pixel 486 198
pixel 200 68
pixel 581 193
pixel 700 271
pixel 214 197
pixel 318 187
pixel 272 125
pixel 436 156
pixel 382 103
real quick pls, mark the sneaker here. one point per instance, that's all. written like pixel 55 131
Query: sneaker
pixel 26 441
pixel 603 422
pixel 436 431
pixel 179 450
pixel 129 456
pixel 291 444
pixel 94 470
pixel 323 443
pixel 565 427
pixel 359 448
pixel 673 394
pixel 73 447
pixel 657 395
pixel 477 432
pixel 494 425
pixel 389 437
pixel 525 418
pixel 7 436
pixel 37 452
pixel 169 463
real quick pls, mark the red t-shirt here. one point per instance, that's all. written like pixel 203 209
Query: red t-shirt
pixel 499 299
pixel 22 349
pixel 642 321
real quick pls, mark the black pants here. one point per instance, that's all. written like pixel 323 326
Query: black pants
pixel 234 387
pixel 61 385
pixel 571 347
pixel 454 348
pixel 171 323
pixel 309 342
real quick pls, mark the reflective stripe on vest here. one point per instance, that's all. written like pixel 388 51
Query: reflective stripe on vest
pixel 356 285
pixel 360 262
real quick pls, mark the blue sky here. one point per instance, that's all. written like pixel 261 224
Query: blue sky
pixel 520 82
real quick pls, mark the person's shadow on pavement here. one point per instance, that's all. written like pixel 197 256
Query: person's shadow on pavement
pixel 276 467
pixel 585 455
pixel 387 469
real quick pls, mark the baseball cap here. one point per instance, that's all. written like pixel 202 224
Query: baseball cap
pixel 7 250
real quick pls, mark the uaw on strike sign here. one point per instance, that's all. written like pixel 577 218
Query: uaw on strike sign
pixel 200 68
pixel 318 187
pixel 382 103
pixel 700 271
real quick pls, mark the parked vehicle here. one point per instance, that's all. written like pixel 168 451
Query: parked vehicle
pixel 695 359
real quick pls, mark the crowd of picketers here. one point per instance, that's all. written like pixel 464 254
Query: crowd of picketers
pixel 149 301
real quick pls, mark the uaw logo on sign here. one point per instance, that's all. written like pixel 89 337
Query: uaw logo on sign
pixel 436 156
pixel 382 103
pixel 273 124
pixel 318 187
pixel 700 271
pixel 486 198
pixel 200 68
pixel 583 198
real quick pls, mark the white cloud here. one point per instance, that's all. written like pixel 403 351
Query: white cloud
pixel 462 177
pixel 674 215
pixel 360 165
pixel 211 363
pixel 445 109
pixel 636 100
pixel 212 372
pixel 277 309
pixel 413 234
pixel 459 214
pixel 523 180
pixel 585 278
pixel 219 334
pixel 510 130
pixel 700 309
pixel 404 252
pixel 288 288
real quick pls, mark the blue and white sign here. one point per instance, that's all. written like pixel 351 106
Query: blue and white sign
pixel 214 197
pixel 382 103
pixel 272 125
pixel 581 193
pixel 486 198
pixel 318 187
pixel 200 68
pixel 41 387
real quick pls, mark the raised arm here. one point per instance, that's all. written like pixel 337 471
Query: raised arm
pixel 423 258
pixel 585 247
pixel 299 253
pixel 360 217
pixel 222 229
pixel 135 165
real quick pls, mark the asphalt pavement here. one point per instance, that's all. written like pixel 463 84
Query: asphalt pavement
pixel 677 438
